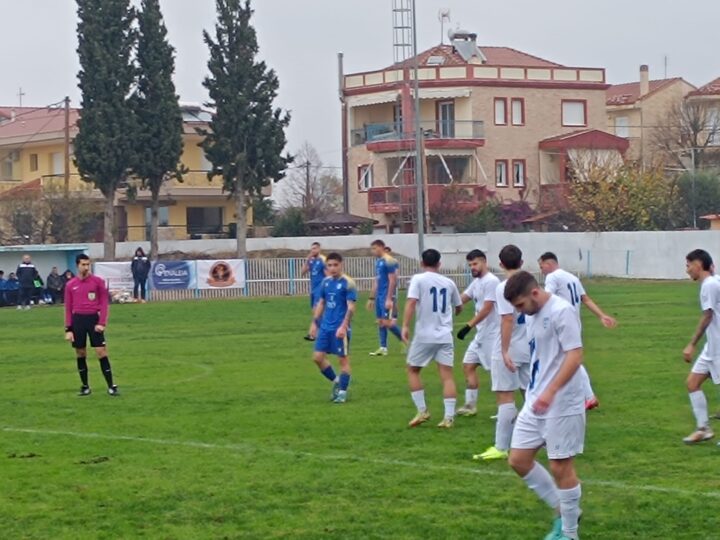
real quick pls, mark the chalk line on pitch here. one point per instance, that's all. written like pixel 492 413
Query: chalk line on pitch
pixel 621 486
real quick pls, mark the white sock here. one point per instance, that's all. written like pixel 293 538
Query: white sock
pixel 570 510
pixel 418 397
pixel 471 395
pixel 540 481
pixel 587 387
pixel 699 407
pixel 449 407
pixel 504 425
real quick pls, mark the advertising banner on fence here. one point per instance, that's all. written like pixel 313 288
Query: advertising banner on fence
pixel 168 275
pixel 117 275
pixel 227 274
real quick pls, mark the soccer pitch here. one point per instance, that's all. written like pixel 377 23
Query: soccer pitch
pixel 224 430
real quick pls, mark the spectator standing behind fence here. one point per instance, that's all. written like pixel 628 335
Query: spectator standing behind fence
pixel 3 286
pixel 12 288
pixel 27 275
pixel 140 270
pixel 55 286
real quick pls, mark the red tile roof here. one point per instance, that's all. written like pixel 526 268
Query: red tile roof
pixel 33 121
pixel 496 56
pixel 585 138
pixel 33 188
pixel 710 89
pixel 629 93
pixel 507 56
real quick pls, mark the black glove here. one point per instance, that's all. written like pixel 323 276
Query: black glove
pixel 464 331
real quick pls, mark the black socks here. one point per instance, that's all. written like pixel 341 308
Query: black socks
pixel 106 370
pixel 83 370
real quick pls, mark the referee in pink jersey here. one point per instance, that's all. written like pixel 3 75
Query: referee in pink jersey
pixel 86 314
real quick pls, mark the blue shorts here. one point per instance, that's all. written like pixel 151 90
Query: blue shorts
pixel 327 342
pixel 383 314
pixel 314 299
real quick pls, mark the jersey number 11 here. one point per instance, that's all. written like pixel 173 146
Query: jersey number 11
pixel 443 296
pixel 574 296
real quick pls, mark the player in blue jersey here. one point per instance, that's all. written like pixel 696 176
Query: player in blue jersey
pixel 394 314
pixel 315 266
pixel 331 327
pixel 384 296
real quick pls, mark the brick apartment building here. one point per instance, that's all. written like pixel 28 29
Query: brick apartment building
pixel 496 122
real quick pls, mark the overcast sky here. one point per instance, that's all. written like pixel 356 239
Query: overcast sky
pixel 300 39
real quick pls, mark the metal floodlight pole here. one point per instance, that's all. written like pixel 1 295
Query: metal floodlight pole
pixel 694 200
pixel 419 179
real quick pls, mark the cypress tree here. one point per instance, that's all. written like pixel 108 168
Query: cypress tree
pixel 104 144
pixel 246 137
pixel 158 116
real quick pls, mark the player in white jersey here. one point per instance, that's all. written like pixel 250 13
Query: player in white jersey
pixel 707 366
pixel 554 412
pixel 482 291
pixel 431 299
pixel 569 287
pixel 510 361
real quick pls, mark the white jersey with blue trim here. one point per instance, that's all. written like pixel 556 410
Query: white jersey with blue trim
pixel 519 346
pixel 553 332
pixel 437 297
pixel 567 286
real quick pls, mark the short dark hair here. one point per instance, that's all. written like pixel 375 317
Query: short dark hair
pixel 431 258
pixel 81 257
pixel 315 244
pixel 334 256
pixel 378 243
pixel 511 257
pixel 548 256
pixel 388 249
pixel 476 254
pixel 518 285
pixel 702 256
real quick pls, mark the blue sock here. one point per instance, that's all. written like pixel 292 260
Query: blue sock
pixel 395 331
pixel 344 381
pixel 329 373
pixel 382 331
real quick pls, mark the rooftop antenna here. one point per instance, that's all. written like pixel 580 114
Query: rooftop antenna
pixel 20 95
pixel 443 15
pixel 666 65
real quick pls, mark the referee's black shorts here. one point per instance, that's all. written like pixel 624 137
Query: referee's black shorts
pixel 83 326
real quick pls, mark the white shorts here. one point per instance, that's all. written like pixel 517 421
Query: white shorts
pixel 563 436
pixel 504 380
pixel 707 366
pixel 421 354
pixel 479 353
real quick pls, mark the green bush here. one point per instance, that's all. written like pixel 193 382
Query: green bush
pixel 707 198
pixel 290 223
pixel 487 218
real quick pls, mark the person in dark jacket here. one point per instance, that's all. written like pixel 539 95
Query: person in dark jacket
pixel 12 288
pixel 140 270
pixel 55 286
pixel 3 288
pixel 27 275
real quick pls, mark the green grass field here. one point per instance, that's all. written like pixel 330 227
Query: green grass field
pixel 224 431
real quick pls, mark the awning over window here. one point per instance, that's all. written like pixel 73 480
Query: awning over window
pixel 373 99
pixel 444 93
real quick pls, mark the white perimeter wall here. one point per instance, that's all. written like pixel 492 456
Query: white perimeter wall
pixel 655 255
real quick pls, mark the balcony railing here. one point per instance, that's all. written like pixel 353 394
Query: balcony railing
pixel 392 200
pixel 432 129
